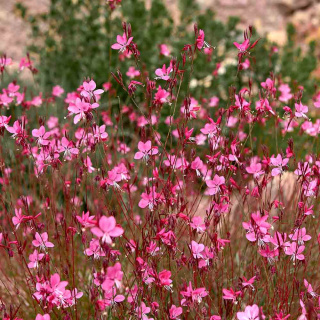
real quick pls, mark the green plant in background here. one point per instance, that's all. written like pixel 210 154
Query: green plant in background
pixel 73 40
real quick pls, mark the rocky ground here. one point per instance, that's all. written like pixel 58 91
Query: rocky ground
pixel 268 16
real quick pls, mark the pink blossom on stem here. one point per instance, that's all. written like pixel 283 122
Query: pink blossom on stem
pixel 90 91
pixel 43 317
pixel 175 312
pixel 145 151
pixel 255 169
pixel 57 91
pixel 34 258
pixel 231 294
pixel 122 43
pixel 301 110
pixel 251 313
pixel 106 229
pixel 295 252
pixel 42 241
pixel 279 163
pixel 41 135
pixel 214 185
pixel 196 249
pixel 164 72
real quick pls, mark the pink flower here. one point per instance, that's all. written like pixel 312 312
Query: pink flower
pixel 310 187
pixel 278 240
pixel 269 86
pixel 164 278
pixel 142 312
pixel 34 258
pixel 214 102
pixel 81 109
pixel 245 64
pixel 88 164
pixel 310 289
pixel 175 312
pixel 303 316
pixel 107 228
pixel 86 220
pixel 122 43
pixel 18 132
pixel 99 133
pixel 67 148
pixel 149 199
pixel 230 294
pixel 300 235
pixel 112 180
pixel 5 100
pixel 42 241
pixel 52 122
pixel 207 255
pixel 279 163
pixel 248 283
pixel 301 110
pixel 269 253
pixel 42 135
pixel 192 296
pixel 251 313
pixel 59 295
pixel 113 277
pixel 164 50
pixel 190 107
pixel 4 121
pixel 132 87
pixel 317 104
pixel 197 164
pixel 19 217
pixel 215 184
pixel 43 317
pixel 211 129
pixel 295 252
pixel 4 62
pixel 145 151
pixel 196 249
pixel 200 43
pixel 255 169
pixel 164 73
pixel 197 224
pixel 242 47
pixel 36 101
pixel 111 298
pixel 257 228
pixel 25 63
pixel 161 96
pixel 57 91
pixel 153 249
pixel 303 169
pixel 90 91
pixel 132 72
pixel 241 103
pixel 95 249
pixel 285 93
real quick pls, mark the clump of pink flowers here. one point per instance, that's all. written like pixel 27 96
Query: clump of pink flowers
pixel 165 206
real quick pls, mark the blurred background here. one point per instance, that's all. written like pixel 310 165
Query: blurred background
pixel 68 40
pixel 270 18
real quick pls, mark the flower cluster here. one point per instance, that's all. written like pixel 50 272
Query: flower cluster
pixel 161 206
